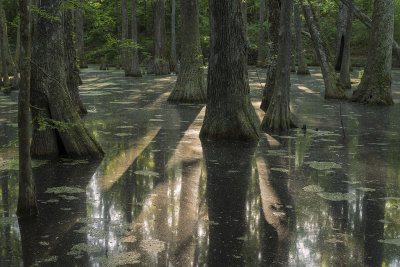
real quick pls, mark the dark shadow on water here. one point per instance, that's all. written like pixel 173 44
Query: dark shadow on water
pixel 229 170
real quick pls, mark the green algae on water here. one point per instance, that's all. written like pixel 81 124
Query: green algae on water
pixel 313 189
pixel 64 190
pixel 152 246
pixel 337 196
pixel 123 258
pixel 322 166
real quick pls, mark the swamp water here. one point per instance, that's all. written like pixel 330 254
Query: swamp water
pixel 161 197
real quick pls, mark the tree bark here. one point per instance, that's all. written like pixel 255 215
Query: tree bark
pixel 368 23
pixel 341 26
pixel 27 205
pixel 229 113
pixel 261 43
pixel 79 39
pixel 118 26
pixel 190 86
pixel 160 65
pixel 277 117
pixel 375 86
pixel 134 70
pixel 333 89
pixel 3 47
pixel 58 128
pixel 302 68
pixel 125 48
pixel 173 37
pixel 18 47
pixel 345 65
pixel 273 7
pixel 71 67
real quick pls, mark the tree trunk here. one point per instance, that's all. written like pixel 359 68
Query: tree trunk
pixel 367 22
pixel 79 39
pixel 160 64
pixel 3 47
pixel 18 47
pixel 332 87
pixel 58 128
pixel 277 117
pixel 11 69
pixel 375 86
pixel 229 113
pixel 118 26
pixel 125 48
pixel 261 43
pixel 190 86
pixel 134 70
pixel 343 17
pixel 71 67
pixel 173 37
pixel 345 78
pixel 302 68
pixel 273 7
pixel 27 194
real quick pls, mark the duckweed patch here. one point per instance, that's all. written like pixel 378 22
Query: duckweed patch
pixel 64 190
pixel 129 239
pixel 323 166
pixel 366 189
pixel 78 250
pixel 313 189
pixel 123 258
pixel 152 246
pixel 336 196
pixel 92 231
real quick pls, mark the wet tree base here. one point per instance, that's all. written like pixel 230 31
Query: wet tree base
pixel 367 96
pixel 239 125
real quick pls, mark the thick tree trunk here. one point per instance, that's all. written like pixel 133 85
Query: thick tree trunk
pixel 11 69
pixel 71 67
pixel 79 39
pixel 345 67
pixel 375 86
pixel 125 48
pixel 261 43
pixel 332 87
pixel 173 37
pixel 27 194
pixel 302 68
pixel 229 113
pixel 277 117
pixel 18 47
pixel 341 26
pixel 160 64
pixel 368 23
pixel 134 70
pixel 58 128
pixel 190 86
pixel 273 7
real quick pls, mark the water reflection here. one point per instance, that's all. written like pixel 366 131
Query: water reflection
pixel 311 198
pixel 229 170
pixel 55 230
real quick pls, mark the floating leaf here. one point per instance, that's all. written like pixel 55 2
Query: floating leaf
pixel 336 196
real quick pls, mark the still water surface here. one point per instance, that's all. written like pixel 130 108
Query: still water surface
pixel 161 197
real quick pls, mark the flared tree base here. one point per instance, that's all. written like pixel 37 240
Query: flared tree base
pixel 223 124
